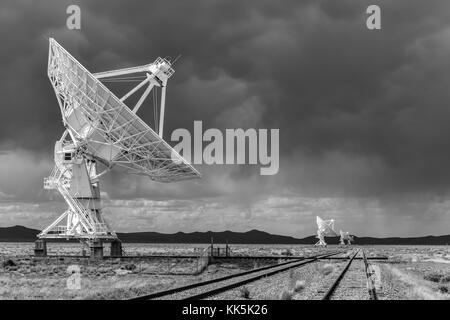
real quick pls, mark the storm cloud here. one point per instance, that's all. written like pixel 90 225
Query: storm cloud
pixel 363 115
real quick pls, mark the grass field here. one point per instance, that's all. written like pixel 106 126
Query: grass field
pixel 412 272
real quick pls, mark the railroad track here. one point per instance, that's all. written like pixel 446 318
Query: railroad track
pixel 337 282
pixel 208 288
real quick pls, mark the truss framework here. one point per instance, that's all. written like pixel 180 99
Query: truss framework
pixel 108 129
pixel 324 228
pixel 83 218
pixel 101 129
pixel 345 236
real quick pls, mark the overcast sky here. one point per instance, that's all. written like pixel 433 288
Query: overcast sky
pixel 364 116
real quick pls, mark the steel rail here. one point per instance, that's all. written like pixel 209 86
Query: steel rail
pixel 335 284
pixel 207 282
pixel 202 283
pixel 233 285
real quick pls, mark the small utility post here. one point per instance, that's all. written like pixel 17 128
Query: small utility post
pixel 212 246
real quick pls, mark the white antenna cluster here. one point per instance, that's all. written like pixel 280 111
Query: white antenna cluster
pixel 325 228
pixel 345 236
pixel 102 131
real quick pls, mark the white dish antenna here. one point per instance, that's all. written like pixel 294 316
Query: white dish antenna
pixel 345 236
pixel 102 129
pixel 325 228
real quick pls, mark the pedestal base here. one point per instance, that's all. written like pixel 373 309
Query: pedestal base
pixel 116 248
pixel 96 248
pixel 40 248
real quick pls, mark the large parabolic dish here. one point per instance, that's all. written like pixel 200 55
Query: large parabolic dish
pixel 101 128
pixel 111 132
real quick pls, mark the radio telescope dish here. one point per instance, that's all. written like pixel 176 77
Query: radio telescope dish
pixel 102 130
pixel 325 228
pixel 345 236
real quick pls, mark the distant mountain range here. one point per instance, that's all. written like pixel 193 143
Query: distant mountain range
pixel 23 234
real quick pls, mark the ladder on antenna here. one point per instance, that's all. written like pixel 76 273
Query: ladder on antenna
pixel 58 180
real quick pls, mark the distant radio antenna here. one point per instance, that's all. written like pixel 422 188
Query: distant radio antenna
pixel 325 228
pixel 345 236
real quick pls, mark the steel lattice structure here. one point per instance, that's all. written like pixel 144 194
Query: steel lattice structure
pixel 325 228
pixel 345 235
pixel 101 129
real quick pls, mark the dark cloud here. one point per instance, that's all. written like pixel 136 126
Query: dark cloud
pixel 362 114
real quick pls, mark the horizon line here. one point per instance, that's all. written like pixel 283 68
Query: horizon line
pixel 274 234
